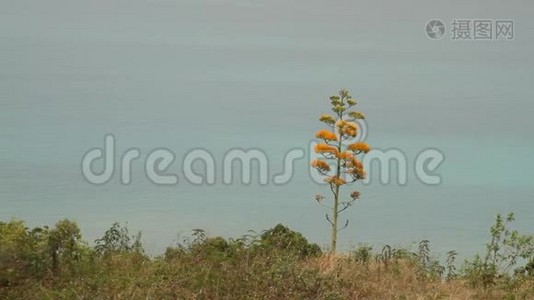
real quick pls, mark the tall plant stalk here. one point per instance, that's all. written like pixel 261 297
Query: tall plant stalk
pixel 339 154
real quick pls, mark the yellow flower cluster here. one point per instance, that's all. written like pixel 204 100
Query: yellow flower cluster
pixel 326 135
pixel 350 129
pixel 335 180
pixel 324 148
pixel 344 155
pixel 355 168
pixel 356 115
pixel 321 165
pixel 347 128
pixel 358 173
pixel 340 123
pixel 328 119
pixel 354 163
pixel 359 146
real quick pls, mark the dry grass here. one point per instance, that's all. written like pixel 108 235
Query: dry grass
pixel 279 264
pixel 260 277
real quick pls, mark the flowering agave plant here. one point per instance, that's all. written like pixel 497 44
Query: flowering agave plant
pixel 339 164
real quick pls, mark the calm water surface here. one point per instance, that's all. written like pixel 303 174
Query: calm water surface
pixel 221 75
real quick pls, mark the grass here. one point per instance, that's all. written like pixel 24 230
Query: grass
pixel 55 263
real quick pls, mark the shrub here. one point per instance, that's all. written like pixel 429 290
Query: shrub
pixel 281 238
pixel 118 239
